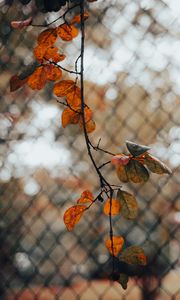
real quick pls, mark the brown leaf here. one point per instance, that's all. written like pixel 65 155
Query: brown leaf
pixel 114 208
pixel 134 255
pixel 115 245
pixel 123 280
pixel 72 215
pixel 21 24
pixel 155 165
pixel 129 206
pixel 136 172
pixel 16 83
pixel 121 173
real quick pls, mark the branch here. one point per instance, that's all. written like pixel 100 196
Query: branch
pixel 63 16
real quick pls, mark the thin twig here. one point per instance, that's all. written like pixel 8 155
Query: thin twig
pixel 104 164
pixel 55 20
pixel 103 181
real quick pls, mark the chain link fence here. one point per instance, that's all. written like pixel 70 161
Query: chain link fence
pixel 132 84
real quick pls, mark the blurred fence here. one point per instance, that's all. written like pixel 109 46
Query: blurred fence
pixel 132 83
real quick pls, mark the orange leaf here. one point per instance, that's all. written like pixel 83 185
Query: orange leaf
pixel 62 88
pixel 67 32
pixel 86 197
pixel 16 83
pixel 87 115
pixel 114 246
pixel 74 97
pixel 52 54
pixel 39 52
pixel 90 126
pixel 77 18
pixel 52 72
pixel 21 24
pixel 38 79
pixel 47 37
pixel 114 208
pixel 69 117
pixel 72 215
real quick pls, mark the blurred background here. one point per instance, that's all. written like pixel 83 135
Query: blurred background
pixel 132 83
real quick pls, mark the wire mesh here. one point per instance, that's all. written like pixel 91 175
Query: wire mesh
pixel 132 84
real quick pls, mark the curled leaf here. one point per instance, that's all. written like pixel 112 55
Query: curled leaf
pixel 69 116
pixel 72 215
pixel 123 280
pixel 77 18
pixel 21 24
pixel 115 245
pixel 120 159
pixel 86 197
pixel 155 165
pixel 129 206
pixel 62 88
pixel 134 255
pixel 16 83
pixel 136 149
pixel 114 209
pixel 136 172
